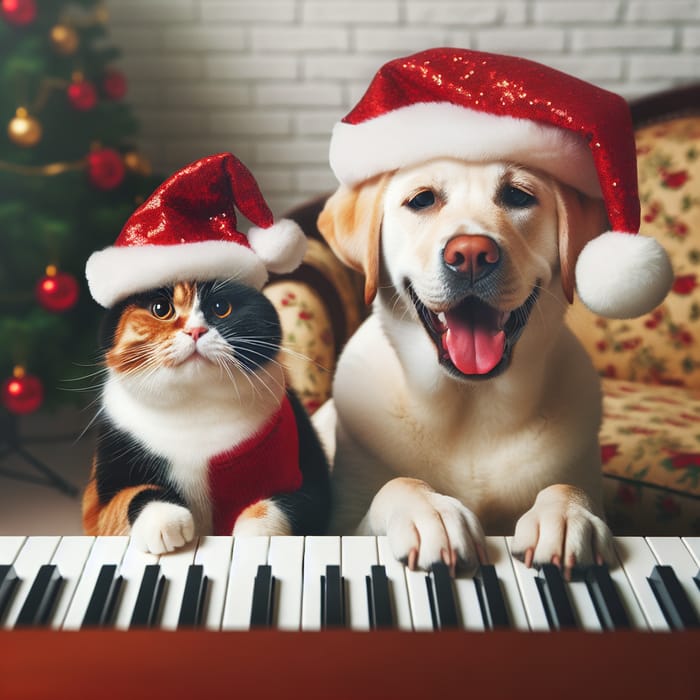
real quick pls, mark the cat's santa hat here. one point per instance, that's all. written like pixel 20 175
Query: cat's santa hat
pixel 187 230
pixel 479 106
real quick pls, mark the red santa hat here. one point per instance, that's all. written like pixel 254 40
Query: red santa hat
pixel 486 107
pixel 187 230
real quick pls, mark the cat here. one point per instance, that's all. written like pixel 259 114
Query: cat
pixel 198 433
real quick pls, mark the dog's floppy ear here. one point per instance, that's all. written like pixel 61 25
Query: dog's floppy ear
pixel 351 222
pixel 581 218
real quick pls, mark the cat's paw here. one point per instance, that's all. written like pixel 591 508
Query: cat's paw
pixel 561 528
pixel 263 518
pixel 162 527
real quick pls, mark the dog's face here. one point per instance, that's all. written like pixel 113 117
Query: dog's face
pixel 468 249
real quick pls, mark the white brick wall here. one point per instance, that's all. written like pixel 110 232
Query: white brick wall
pixel 267 79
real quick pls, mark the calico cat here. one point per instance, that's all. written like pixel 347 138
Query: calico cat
pixel 198 432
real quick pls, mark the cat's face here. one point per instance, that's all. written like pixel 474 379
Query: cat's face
pixel 218 331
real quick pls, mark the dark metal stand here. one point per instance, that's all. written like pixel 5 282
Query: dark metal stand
pixel 11 444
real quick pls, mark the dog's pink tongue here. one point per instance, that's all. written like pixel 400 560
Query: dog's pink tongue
pixel 474 347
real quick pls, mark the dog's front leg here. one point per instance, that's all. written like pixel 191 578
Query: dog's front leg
pixel 425 527
pixel 562 529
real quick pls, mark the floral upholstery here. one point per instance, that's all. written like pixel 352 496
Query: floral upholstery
pixel 650 437
pixel 650 366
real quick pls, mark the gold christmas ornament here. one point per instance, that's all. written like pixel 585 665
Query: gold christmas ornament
pixel 24 130
pixel 137 163
pixel 64 39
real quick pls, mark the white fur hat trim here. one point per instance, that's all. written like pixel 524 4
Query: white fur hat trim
pixel 622 275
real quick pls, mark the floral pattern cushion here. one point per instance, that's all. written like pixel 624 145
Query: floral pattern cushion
pixel 307 340
pixel 650 446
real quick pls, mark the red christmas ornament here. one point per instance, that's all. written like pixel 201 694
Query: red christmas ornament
pixel 18 12
pixel 22 393
pixel 105 168
pixel 57 291
pixel 82 95
pixel 113 84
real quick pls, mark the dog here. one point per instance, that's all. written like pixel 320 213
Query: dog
pixel 464 405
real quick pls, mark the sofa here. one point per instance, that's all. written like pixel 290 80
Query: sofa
pixel 649 367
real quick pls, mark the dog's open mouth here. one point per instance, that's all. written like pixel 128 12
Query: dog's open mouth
pixel 472 338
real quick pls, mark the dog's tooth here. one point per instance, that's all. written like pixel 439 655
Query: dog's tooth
pixel 505 315
pixel 442 318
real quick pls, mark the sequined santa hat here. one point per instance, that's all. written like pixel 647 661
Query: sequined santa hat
pixel 478 106
pixel 187 230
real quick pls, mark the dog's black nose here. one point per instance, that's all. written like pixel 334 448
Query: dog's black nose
pixel 473 256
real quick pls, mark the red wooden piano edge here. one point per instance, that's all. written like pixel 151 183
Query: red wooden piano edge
pixel 339 664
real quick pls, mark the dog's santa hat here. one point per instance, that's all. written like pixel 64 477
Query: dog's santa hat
pixel 478 106
pixel 187 230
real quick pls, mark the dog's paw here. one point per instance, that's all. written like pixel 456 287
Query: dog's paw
pixel 560 528
pixel 425 527
pixel 162 527
pixel 263 518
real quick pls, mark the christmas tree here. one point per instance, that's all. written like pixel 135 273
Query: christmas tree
pixel 70 176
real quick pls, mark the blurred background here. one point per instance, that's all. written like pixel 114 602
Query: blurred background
pixel 100 101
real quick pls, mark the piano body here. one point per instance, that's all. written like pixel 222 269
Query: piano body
pixel 340 617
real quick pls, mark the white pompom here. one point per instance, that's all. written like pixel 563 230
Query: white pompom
pixel 281 247
pixel 623 275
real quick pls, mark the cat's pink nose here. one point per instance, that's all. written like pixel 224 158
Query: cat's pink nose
pixel 196 333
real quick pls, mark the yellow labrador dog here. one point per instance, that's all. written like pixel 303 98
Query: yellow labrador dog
pixel 464 404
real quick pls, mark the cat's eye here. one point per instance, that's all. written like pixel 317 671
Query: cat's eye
pixel 222 308
pixel 162 309
pixel 422 200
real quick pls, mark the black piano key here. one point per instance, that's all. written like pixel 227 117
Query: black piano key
pixel 104 597
pixel 192 607
pixel 147 606
pixel 332 598
pixel 261 610
pixel 493 605
pixel 40 600
pixel 555 598
pixel 8 585
pixel 672 599
pixel 608 604
pixel 443 597
pixel 696 578
pixel 381 615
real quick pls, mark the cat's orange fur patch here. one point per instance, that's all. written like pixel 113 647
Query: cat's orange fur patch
pixel 257 510
pixel 110 518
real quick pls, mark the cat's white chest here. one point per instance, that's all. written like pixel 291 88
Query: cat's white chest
pixel 188 434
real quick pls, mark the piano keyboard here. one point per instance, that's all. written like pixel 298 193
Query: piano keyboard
pixel 316 583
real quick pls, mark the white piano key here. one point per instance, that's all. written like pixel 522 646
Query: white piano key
pixel 105 550
pixel 35 552
pixel 131 570
pixel 396 573
pixel 499 556
pixel 529 593
pixel 468 604
pixel 627 595
pixel 319 552
pixel 70 557
pixel 638 561
pixel 672 552
pixel 248 554
pixel 286 556
pixel 174 566
pixel 214 554
pixel 358 553
pixel 583 607
pixel 693 545
pixel 9 547
pixel 418 598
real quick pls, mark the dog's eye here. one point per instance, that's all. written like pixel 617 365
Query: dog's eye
pixel 423 200
pixel 516 198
